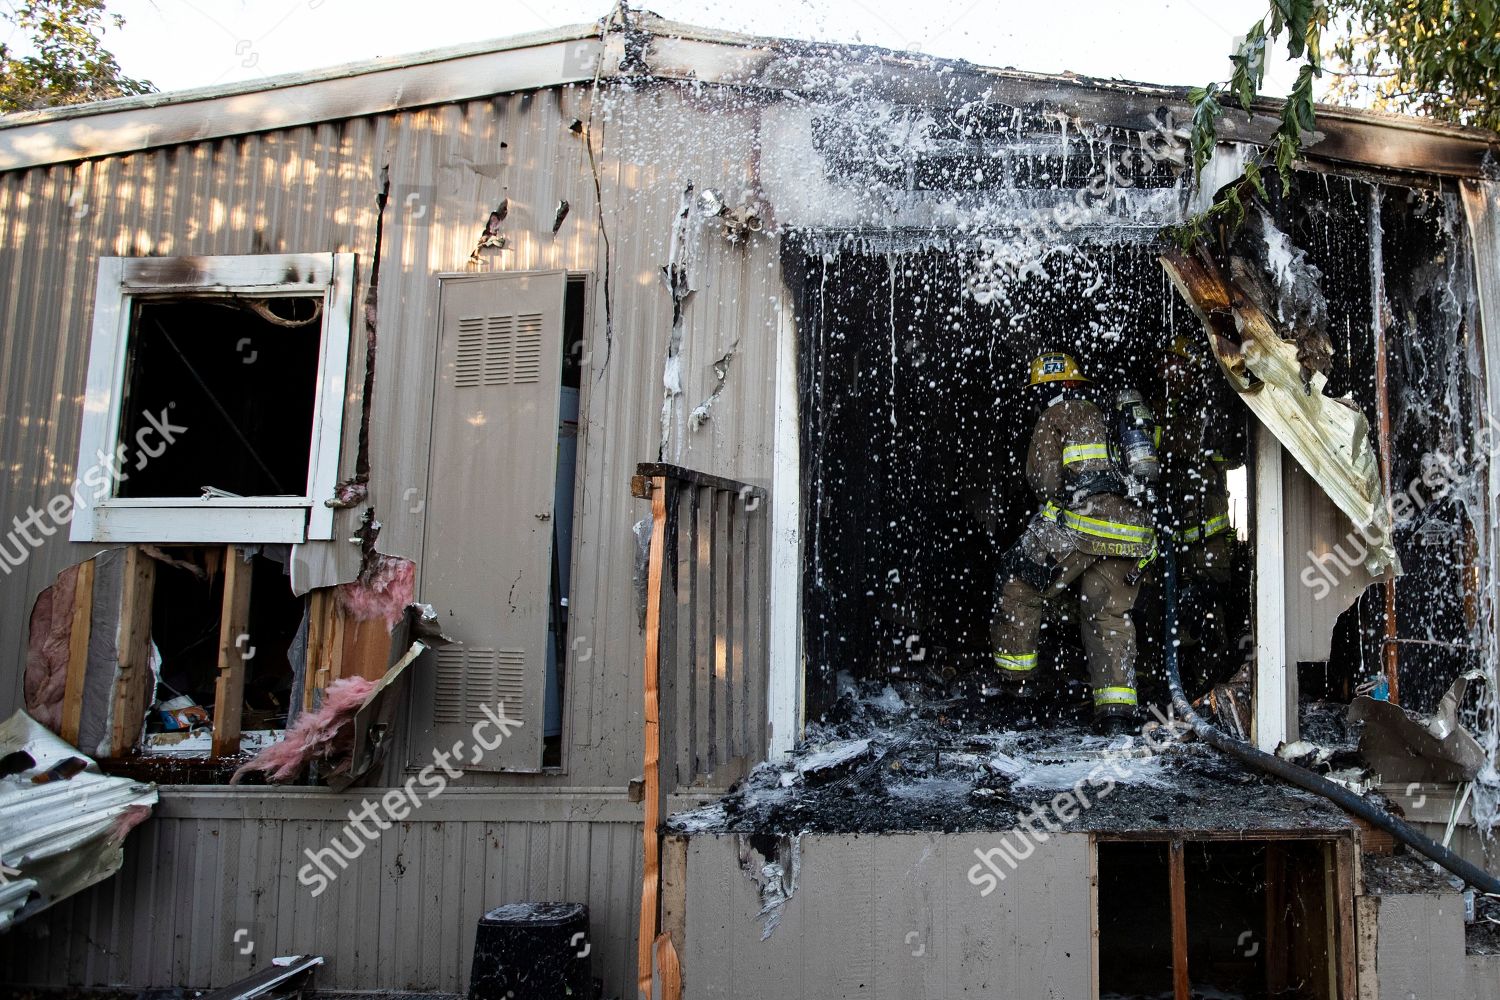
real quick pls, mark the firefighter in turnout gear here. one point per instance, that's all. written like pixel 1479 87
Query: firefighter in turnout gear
pixel 1199 444
pixel 1086 532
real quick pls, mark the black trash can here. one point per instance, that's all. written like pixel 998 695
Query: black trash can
pixel 535 951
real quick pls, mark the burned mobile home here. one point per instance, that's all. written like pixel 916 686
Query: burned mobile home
pixel 679 376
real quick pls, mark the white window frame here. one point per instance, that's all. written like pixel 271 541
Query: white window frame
pixel 222 520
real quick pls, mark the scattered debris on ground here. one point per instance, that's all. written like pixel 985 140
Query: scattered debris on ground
pixel 895 767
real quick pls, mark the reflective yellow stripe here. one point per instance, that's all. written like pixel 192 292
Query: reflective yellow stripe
pixel 1208 529
pixel 1106 529
pixel 1084 453
pixel 1115 696
pixel 1156 436
pixel 1017 662
pixel 1113 530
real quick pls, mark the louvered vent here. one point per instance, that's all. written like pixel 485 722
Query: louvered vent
pixel 469 678
pixel 528 348
pixel 468 360
pixel 448 699
pixel 510 680
pixel 498 350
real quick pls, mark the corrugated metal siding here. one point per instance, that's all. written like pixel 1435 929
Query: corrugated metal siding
pixel 313 189
pixel 166 919
pixel 401 918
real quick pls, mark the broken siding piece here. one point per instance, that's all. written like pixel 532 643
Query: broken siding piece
pixel 1329 438
pixel 59 837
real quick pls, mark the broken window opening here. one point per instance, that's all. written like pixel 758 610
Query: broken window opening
pixel 215 399
pixel 243 385
pixel 1259 920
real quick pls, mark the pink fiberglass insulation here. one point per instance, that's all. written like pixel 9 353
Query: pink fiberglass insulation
pixel 47 650
pixel 325 735
pixel 382 592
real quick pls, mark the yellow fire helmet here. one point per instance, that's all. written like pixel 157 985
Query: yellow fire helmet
pixel 1056 367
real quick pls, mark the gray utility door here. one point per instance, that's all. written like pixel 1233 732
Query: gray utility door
pixel 487 557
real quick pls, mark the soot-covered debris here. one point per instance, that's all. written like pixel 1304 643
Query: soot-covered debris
pixel 900 768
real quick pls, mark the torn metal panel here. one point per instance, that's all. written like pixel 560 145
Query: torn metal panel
pixel 1329 438
pixel 60 836
pixel 1401 746
pixel 775 873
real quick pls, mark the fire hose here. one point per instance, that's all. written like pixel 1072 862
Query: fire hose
pixel 1300 776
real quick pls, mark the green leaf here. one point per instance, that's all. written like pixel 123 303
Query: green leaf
pixel 1253 176
pixel 1287 150
pixel 1205 125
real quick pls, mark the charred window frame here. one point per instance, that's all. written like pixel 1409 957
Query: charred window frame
pixel 163 306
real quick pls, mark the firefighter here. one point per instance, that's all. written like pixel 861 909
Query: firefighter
pixel 1086 532
pixel 1199 444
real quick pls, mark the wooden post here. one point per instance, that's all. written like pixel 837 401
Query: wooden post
pixel 234 649
pixel 646 937
pixel 133 645
pixel 1346 863
pixel 78 651
pixel 1178 867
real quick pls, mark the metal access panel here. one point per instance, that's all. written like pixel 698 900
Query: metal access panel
pixel 486 566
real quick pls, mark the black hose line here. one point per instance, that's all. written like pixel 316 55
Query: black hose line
pixel 1301 776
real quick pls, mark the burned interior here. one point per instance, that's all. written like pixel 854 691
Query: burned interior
pixel 243 375
pixel 912 384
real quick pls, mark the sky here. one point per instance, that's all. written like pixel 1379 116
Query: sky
pixel 180 44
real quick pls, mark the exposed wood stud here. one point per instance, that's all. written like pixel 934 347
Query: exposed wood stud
pixel 78 651
pixel 234 648
pixel 650 834
pixel 1346 864
pixel 1180 987
pixel 133 642
pixel 674 851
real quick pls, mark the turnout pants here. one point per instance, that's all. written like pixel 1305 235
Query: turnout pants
pixel 1044 563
